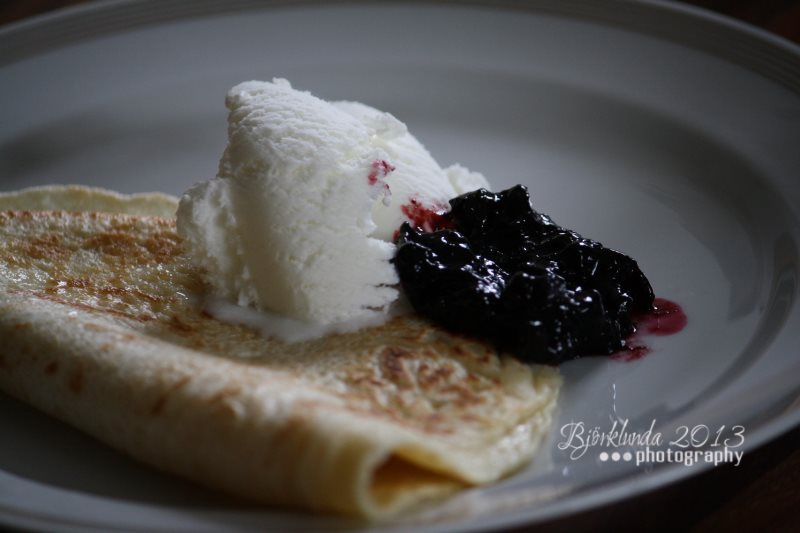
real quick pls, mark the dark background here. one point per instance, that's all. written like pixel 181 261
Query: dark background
pixel 763 492
pixel 781 17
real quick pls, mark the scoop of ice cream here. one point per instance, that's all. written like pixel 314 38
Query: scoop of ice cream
pixel 300 217
pixel 415 177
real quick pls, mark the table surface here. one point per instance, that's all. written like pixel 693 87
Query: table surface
pixel 763 492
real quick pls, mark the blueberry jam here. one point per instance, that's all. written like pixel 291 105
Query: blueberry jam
pixel 493 267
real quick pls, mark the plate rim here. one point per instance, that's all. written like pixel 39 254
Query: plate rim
pixel 726 38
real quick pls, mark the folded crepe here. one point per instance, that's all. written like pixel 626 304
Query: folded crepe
pixel 101 325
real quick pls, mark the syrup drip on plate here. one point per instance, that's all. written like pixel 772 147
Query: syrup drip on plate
pixel 666 318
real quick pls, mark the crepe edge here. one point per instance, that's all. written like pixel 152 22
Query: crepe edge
pixel 81 198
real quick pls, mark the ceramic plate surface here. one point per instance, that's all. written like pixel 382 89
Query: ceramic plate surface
pixel 661 131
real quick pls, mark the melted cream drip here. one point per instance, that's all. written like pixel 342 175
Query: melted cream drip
pixel 274 325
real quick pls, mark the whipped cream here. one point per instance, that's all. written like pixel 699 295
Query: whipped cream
pixel 300 217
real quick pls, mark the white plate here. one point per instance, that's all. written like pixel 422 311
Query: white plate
pixel 661 131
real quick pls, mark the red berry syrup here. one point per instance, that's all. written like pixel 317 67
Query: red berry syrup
pixel 665 318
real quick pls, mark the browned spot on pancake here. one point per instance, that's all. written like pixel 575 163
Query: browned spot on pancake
pixel 22 325
pixel 55 286
pixel 82 306
pixel 111 243
pixel 130 294
pixel 393 367
pixel 51 368
pixel 76 380
pixel 434 377
pixel 158 406
pixel 124 293
pixel 47 247
pixel 163 246
pixel 9 216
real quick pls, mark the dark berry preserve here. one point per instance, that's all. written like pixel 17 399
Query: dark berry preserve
pixel 494 267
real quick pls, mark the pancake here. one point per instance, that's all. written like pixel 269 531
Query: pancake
pixel 81 198
pixel 102 327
